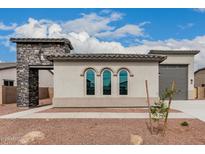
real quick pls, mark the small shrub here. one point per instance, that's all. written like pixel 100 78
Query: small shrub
pixel 184 123
pixel 158 111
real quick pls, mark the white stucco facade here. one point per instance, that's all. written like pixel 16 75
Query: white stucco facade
pixel 8 74
pixel 45 77
pixel 70 85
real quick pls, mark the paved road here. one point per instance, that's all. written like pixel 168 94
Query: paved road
pixel 195 108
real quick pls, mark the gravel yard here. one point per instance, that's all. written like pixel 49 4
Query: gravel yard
pixel 99 131
pixel 12 108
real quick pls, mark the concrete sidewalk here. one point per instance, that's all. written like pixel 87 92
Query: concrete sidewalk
pixel 34 114
pixel 195 108
pixel 190 109
pixel 25 113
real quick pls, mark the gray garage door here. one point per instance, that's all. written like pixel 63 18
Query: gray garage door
pixel 178 73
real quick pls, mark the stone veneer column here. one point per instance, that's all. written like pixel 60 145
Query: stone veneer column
pixel 27 86
pixel 32 52
pixel 22 85
pixel 33 87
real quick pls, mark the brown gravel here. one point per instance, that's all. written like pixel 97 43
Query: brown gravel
pixel 138 110
pixel 11 108
pixel 100 131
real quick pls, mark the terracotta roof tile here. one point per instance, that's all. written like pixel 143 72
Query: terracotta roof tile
pixel 108 57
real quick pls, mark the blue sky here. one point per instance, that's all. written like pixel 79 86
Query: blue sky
pixel 107 30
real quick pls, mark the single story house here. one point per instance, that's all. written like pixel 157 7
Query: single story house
pixel 8 83
pixel 119 79
pixel 101 80
pixel 199 83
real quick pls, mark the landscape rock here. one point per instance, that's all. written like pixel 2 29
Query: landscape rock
pixel 136 139
pixel 31 137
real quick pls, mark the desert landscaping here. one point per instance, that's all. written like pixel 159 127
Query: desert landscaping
pixel 79 131
pixel 97 131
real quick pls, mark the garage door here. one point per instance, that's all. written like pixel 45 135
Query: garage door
pixel 178 73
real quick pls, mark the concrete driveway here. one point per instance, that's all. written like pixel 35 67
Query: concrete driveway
pixel 195 108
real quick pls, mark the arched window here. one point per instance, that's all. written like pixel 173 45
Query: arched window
pixel 106 82
pixel 123 82
pixel 90 82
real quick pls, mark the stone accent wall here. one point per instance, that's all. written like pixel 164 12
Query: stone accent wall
pixel 33 87
pixel 33 53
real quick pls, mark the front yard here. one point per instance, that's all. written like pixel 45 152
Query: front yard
pixel 99 131
pixel 53 130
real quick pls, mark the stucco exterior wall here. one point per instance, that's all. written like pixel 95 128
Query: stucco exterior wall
pixel 69 80
pixel 184 59
pixel 199 78
pixel 45 77
pixel 8 74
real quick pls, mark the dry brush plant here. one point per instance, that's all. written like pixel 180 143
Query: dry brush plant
pixel 160 109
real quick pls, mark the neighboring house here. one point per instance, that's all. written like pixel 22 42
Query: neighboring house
pixel 8 76
pixel 199 78
pixel 8 83
pixel 101 80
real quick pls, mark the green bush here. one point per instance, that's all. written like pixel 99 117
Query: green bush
pixel 184 123
pixel 158 110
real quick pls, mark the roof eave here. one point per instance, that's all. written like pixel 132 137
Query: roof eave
pixel 42 40
pixel 9 67
pixel 107 59
pixel 174 52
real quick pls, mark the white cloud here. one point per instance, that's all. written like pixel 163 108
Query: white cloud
pixel 202 10
pixel 128 29
pixel 186 26
pixel 93 45
pixel 91 23
pixel 33 28
pixel 4 40
pixel 82 33
pixel 185 44
pixel 105 11
pixel 6 27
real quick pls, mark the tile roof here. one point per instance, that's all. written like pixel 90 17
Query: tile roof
pixel 7 65
pixel 108 57
pixel 177 52
pixel 42 40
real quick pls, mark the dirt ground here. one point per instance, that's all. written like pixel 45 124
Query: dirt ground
pixel 11 108
pixel 100 131
pixel 124 110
